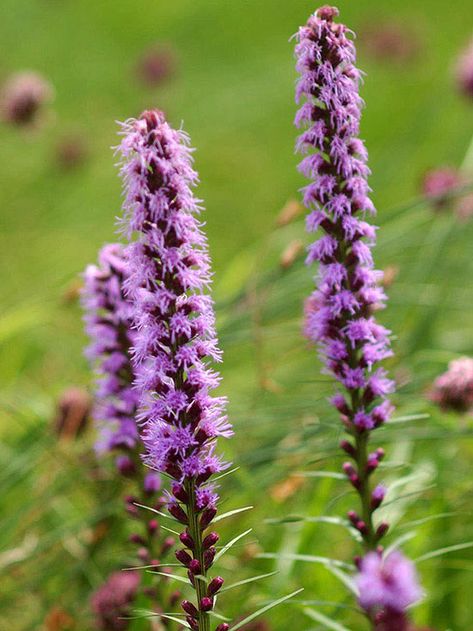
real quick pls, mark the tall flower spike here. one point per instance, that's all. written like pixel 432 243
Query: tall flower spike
pixel 108 320
pixel 169 272
pixel 108 323
pixel 340 313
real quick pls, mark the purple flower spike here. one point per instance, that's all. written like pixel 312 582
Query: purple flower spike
pixel 339 315
pixel 388 584
pixel 168 276
pixel 108 321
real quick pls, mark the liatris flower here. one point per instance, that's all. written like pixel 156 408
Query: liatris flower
pixel 454 389
pixel 387 587
pixel 339 314
pixel 464 71
pixel 23 96
pixel 108 324
pixel 390 582
pixel 111 602
pixel 108 319
pixel 156 65
pixel 390 41
pixel 168 273
pixel 71 152
pixel 438 185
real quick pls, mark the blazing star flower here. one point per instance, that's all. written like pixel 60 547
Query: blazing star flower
pixel 167 279
pixel 23 96
pixel 387 584
pixel 108 325
pixel 339 313
pixel 156 65
pixel 112 601
pixel 454 389
pixel 439 183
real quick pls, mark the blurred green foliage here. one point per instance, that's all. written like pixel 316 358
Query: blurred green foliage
pixel 62 530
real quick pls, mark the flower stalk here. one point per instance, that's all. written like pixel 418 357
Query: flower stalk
pixel 340 313
pixel 167 282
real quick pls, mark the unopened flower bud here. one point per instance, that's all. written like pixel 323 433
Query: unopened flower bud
pixel 207 516
pixel 206 604
pixel 382 529
pixel 210 540
pixel 195 567
pixel 189 608
pixel 177 512
pixel 187 540
pixel 183 557
pixel 215 585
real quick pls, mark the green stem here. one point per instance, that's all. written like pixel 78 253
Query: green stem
pixel 196 534
pixel 364 491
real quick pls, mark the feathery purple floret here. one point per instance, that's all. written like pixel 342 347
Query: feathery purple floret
pixel 390 583
pixel 108 322
pixel 167 277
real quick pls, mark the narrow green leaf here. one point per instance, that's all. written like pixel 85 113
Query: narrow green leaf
pixel 232 512
pixel 175 577
pixel 319 617
pixel 425 520
pixel 305 557
pixel 147 567
pixel 264 609
pixel 408 418
pixel 158 512
pixel 174 532
pixel 223 475
pixel 442 551
pixel 219 616
pixel 247 580
pixel 322 474
pixel 231 543
pixel 176 619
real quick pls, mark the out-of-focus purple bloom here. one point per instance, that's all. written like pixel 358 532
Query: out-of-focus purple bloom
pixel 108 324
pixel 23 96
pixel 156 65
pixel 71 152
pixel 453 390
pixel 464 71
pixel 167 280
pixel 388 583
pixel 390 41
pixel 339 314
pixel 112 601
pixel 438 184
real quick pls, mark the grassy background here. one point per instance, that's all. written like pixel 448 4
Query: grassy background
pixel 234 91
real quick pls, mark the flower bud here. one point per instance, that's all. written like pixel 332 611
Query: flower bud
pixel 189 608
pixel 214 586
pixel 210 540
pixel 206 604
pixel 207 516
